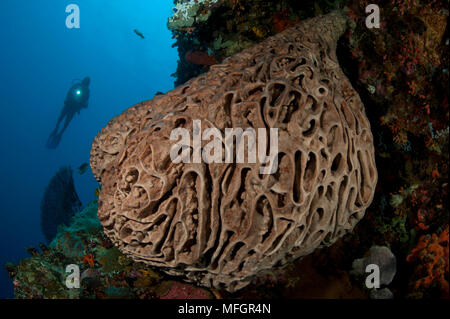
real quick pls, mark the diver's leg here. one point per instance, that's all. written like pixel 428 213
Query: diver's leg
pixel 55 137
pixel 69 118
pixel 60 118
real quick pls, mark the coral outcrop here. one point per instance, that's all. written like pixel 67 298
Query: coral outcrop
pixel 104 272
pixel 219 224
pixel 187 12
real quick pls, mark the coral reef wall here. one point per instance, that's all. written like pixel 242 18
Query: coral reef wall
pixel 401 72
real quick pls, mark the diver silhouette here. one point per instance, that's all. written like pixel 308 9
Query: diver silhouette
pixel 76 99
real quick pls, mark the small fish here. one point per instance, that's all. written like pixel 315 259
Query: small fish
pixel 97 192
pixel 83 168
pixel 139 34
pixel 188 30
pixel 199 58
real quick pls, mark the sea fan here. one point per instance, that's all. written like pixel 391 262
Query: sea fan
pixel 59 204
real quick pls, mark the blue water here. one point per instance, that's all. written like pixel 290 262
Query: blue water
pixel 39 59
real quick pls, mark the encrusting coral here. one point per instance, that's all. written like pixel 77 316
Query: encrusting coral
pixel 221 223
pixel 431 257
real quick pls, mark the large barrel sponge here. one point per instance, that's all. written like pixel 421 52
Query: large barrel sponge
pixel 218 224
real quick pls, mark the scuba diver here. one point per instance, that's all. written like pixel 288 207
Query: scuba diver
pixel 76 99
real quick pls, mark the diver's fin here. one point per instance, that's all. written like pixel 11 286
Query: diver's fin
pixel 53 140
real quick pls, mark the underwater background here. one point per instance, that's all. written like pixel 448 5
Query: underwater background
pixel 133 50
pixel 39 58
